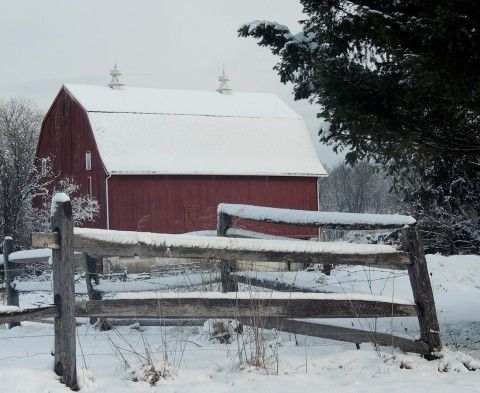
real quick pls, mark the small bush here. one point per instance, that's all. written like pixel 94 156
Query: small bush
pixel 149 372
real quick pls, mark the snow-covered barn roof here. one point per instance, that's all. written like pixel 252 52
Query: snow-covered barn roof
pixel 158 131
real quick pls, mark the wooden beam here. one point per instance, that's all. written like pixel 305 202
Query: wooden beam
pixel 79 258
pixel 29 314
pixel 286 325
pixel 156 322
pixel 100 243
pixel 11 295
pixel 339 333
pixel 324 220
pixel 229 282
pixel 46 240
pixel 207 308
pixel 91 278
pixel 275 285
pixel 63 267
pixel 422 289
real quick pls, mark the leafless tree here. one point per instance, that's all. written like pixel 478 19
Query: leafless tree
pixel 363 188
pixel 21 179
pixel 20 122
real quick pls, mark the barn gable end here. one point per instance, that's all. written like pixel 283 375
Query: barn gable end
pixel 65 137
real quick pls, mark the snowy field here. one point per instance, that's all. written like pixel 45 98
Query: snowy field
pixel 192 361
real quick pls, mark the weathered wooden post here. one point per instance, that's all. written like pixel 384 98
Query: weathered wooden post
pixel 11 295
pixel 91 276
pixel 422 289
pixel 229 283
pixel 64 291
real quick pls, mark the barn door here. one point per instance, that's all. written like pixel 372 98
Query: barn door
pixel 191 218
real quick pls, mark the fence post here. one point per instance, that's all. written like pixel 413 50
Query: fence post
pixel 64 291
pixel 11 295
pixel 91 274
pixel 229 283
pixel 422 289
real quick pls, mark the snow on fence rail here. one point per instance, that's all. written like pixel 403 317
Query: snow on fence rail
pixel 333 220
pixel 279 306
pixel 39 255
pixel 15 314
pixel 102 242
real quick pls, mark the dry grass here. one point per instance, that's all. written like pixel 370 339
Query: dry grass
pixel 143 363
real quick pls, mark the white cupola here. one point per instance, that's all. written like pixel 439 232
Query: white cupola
pixel 116 82
pixel 224 87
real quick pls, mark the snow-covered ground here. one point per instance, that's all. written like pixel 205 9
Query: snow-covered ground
pixel 196 363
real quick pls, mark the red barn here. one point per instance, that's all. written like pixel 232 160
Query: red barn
pixel 161 160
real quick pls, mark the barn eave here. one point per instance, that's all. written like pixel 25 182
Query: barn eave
pixel 263 174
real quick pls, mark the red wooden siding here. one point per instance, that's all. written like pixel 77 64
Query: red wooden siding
pixel 177 204
pixel 66 136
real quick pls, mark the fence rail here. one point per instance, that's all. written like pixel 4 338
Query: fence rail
pixel 101 242
pixel 41 255
pixel 326 220
pixel 28 314
pixel 351 335
pixel 273 305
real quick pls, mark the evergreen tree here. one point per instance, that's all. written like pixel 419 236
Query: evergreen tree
pixel 398 82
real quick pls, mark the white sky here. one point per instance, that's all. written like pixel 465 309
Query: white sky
pixel 178 44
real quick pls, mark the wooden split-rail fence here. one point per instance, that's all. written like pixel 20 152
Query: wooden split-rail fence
pixel 275 309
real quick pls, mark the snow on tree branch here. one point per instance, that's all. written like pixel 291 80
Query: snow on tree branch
pixel 85 209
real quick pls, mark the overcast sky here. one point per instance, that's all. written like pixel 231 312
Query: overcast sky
pixel 158 43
